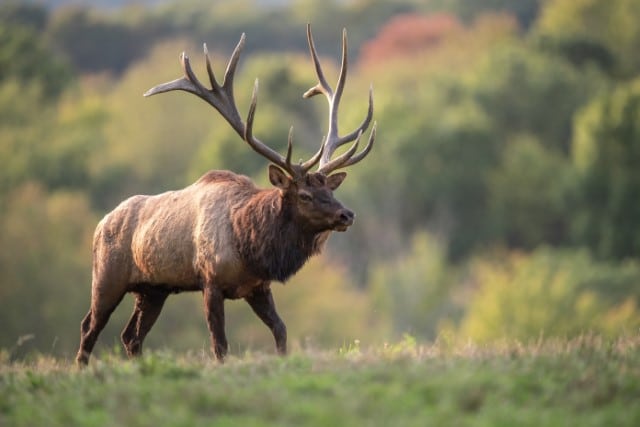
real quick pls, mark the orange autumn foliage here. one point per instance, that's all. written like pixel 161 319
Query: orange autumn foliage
pixel 410 34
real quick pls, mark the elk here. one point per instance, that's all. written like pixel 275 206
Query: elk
pixel 222 235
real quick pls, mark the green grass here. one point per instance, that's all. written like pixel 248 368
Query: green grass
pixel 587 381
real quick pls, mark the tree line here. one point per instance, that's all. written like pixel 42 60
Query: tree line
pixel 501 198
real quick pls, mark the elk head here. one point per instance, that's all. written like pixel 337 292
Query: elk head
pixel 310 194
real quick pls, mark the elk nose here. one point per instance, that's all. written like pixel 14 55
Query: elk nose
pixel 346 216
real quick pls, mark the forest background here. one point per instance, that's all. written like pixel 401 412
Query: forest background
pixel 501 201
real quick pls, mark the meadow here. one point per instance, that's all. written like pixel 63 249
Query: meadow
pixel 586 381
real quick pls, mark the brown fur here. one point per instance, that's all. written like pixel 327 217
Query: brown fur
pixel 271 244
pixel 222 236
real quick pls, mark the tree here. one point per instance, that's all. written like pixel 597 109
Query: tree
pixel 92 43
pixel 549 293
pixel 408 35
pixel 525 91
pixel 414 291
pixel 26 58
pixel 21 14
pixel 603 32
pixel 606 149
pixel 51 146
pixel 531 195
pixel 45 259
pixel 432 167
pixel 525 11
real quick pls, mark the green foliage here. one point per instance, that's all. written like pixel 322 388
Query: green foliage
pixel 549 293
pixel 45 259
pixel 527 91
pixel 467 137
pixel 495 132
pixel 415 290
pixel 20 138
pixel 531 194
pixel 151 140
pixel 23 14
pixel 607 151
pixel 102 45
pixel 446 150
pixel 50 147
pixel 26 58
pixel 525 10
pixel 605 33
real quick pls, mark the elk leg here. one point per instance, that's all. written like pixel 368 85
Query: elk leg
pixel 214 312
pixel 147 308
pixel 129 333
pixel 261 301
pixel 83 358
pixel 94 322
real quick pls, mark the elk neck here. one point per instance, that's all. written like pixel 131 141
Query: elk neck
pixel 271 242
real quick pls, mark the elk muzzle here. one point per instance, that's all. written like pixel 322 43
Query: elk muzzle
pixel 344 219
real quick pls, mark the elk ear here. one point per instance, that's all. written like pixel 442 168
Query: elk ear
pixel 334 181
pixel 278 177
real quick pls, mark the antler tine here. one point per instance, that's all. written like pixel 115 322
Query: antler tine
pixel 212 77
pixel 342 79
pixel 289 146
pixel 340 160
pixel 361 155
pixel 183 83
pixel 322 87
pixel 261 148
pixel 348 158
pixel 230 71
pixel 314 159
pixel 221 97
pixel 333 139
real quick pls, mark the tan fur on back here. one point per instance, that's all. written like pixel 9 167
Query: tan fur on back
pixel 171 238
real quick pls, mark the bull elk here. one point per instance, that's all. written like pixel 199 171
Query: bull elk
pixel 222 235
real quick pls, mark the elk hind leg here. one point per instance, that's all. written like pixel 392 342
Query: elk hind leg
pixel 262 303
pixel 147 308
pixel 102 305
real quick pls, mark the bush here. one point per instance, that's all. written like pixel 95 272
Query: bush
pixel 553 293
pixel 414 291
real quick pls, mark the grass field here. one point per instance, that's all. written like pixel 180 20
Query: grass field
pixel 587 381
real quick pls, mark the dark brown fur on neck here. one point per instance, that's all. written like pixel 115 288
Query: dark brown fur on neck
pixel 271 243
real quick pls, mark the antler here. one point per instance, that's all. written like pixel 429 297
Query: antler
pixel 222 99
pixel 333 140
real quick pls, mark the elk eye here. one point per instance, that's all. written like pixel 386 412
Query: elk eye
pixel 305 197
pixel 323 200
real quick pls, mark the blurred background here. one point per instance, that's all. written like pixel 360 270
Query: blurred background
pixel 502 198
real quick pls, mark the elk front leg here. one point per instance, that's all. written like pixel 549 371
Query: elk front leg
pixel 214 312
pixel 261 301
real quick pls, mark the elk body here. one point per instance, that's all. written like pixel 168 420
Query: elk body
pixel 222 235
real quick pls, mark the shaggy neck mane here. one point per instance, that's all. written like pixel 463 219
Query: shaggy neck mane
pixel 272 244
